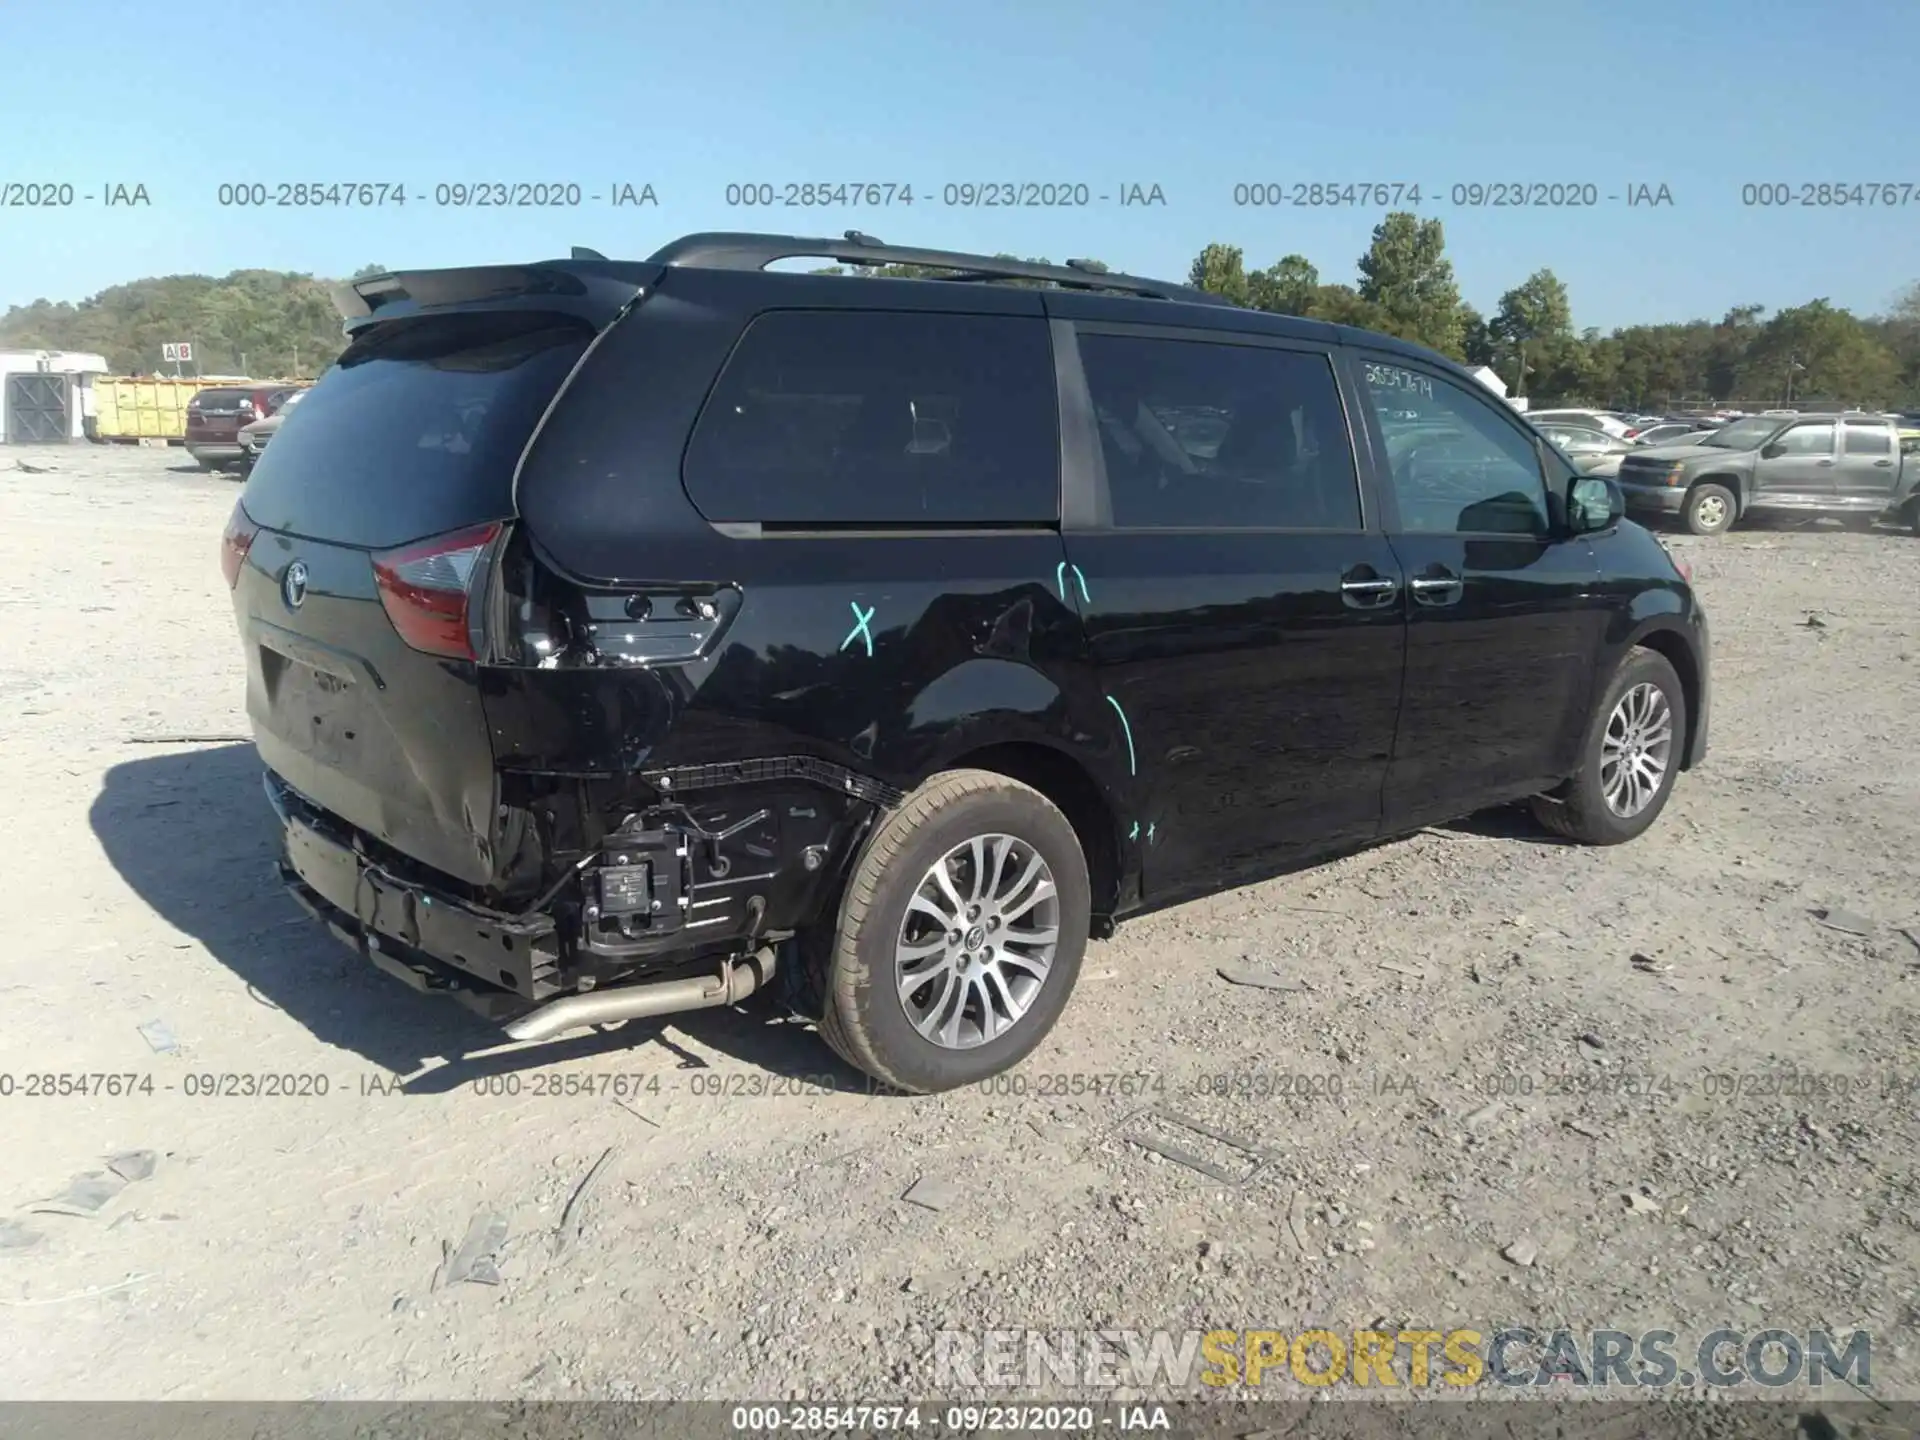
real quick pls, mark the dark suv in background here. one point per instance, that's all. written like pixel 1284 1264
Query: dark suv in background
pixel 619 634
pixel 216 415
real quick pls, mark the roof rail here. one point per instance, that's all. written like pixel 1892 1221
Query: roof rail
pixel 730 250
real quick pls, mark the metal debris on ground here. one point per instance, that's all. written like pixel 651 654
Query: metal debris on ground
pixel 1846 921
pixel 84 1195
pixel 931 1194
pixel 133 1164
pixel 15 1237
pixel 1257 979
pixel 1413 970
pixel 1180 1155
pixel 477 1261
pixel 1641 1204
pixel 159 1037
pixel 1297 1219
pixel 189 739
pixel 561 1231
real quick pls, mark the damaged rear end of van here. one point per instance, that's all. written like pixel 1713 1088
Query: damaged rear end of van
pixel 491 763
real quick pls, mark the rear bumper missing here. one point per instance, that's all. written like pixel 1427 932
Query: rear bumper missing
pixel 517 954
pixel 701 888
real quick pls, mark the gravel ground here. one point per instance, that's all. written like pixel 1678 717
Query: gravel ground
pixel 1496 1042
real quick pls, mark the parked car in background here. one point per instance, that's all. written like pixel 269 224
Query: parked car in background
pixel 544 602
pixel 1599 419
pixel 1592 451
pixel 254 437
pixel 1850 466
pixel 1667 431
pixel 217 414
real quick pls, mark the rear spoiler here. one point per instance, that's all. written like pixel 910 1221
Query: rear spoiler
pixel 594 290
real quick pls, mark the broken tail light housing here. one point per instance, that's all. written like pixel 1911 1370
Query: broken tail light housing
pixel 236 542
pixel 427 589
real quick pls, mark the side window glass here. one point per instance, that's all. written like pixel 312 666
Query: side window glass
pixel 1869 440
pixel 1219 436
pixel 1807 440
pixel 1458 467
pixel 847 417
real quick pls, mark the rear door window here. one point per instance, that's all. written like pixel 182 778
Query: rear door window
pixel 1202 435
pixel 862 417
pixel 1868 439
pixel 415 432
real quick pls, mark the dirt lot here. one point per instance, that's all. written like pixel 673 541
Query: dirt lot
pixel 742 1243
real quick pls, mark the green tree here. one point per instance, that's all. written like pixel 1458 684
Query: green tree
pixel 1406 275
pixel 1221 270
pixel 1817 352
pixel 1477 340
pixel 1286 287
pixel 1532 329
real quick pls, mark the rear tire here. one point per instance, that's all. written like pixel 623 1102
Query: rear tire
pixel 1710 509
pixel 953 1029
pixel 1622 747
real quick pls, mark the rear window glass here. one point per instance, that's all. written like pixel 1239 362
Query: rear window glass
pixel 414 432
pixel 1869 440
pixel 880 418
pixel 219 399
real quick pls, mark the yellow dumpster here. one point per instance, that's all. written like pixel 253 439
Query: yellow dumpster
pixel 132 408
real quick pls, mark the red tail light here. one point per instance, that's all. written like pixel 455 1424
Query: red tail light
pixel 426 589
pixel 235 544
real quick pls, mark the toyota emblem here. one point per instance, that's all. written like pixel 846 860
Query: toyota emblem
pixel 293 586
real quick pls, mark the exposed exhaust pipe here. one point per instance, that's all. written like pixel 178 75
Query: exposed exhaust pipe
pixel 734 983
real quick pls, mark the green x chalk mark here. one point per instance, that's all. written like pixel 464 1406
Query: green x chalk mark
pixel 859 631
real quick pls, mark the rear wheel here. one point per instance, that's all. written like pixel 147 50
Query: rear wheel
pixel 960 935
pixel 1710 509
pixel 1632 754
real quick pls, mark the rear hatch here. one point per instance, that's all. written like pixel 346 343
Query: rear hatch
pixel 215 415
pixel 372 518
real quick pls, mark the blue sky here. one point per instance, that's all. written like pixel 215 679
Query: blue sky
pixel 1195 97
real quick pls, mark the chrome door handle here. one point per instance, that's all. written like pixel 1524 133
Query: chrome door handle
pixel 1375 594
pixel 1436 589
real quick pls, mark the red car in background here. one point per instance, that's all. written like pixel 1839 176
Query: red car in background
pixel 217 414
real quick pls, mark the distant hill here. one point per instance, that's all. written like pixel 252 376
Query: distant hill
pixel 252 322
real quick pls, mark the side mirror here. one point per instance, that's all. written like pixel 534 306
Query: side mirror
pixel 1773 451
pixel 1595 502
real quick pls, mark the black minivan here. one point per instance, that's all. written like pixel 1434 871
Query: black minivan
pixel 621 635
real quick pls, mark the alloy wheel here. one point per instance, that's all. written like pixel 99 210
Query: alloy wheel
pixel 978 941
pixel 1636 750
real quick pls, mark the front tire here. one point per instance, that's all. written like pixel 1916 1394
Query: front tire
pixel 1710 509
pixel 960 935
pixel 1631 755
